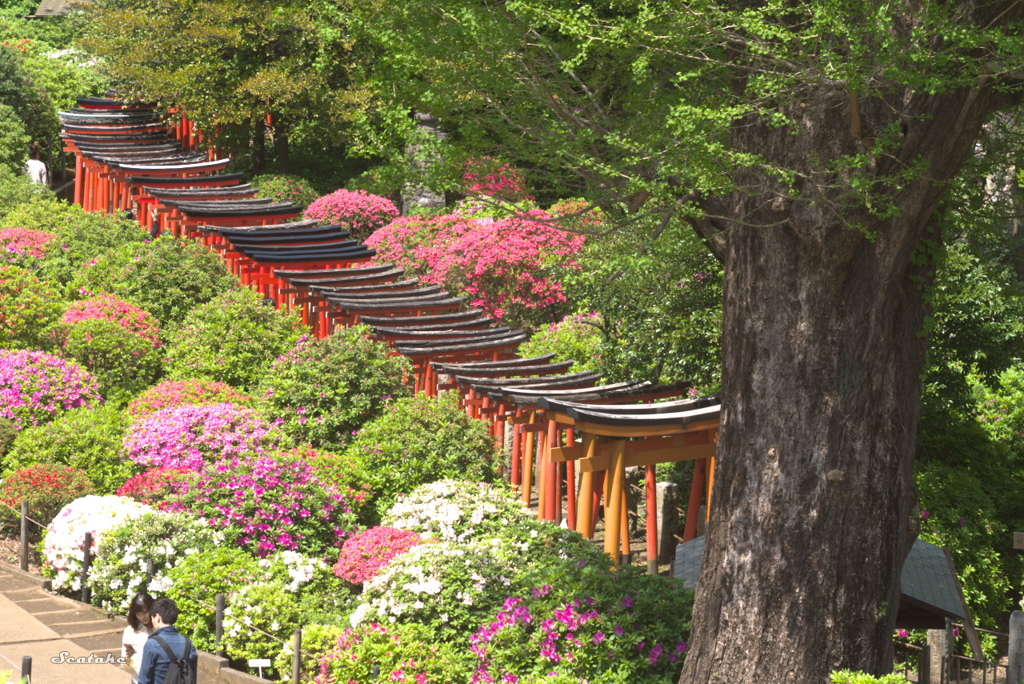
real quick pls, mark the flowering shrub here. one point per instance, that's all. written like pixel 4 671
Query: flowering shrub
pixel 233 339
pixel 284 188
pixel 156 485
pixel 450 510
pixel 577 214
pixel 418 440
pixel 409 653
pixel 122 361
pixel 574 338
pixel 110 308
pixel 87 439
pixel 64 545
pixel 851 677
pixel 403 241
pixel 627 627
pixel 35 387
pixel 167 277
pixel 267 504
pixel 318 640
pixel 119 571
pixel 46 487
pixel 22 246
pixel 364 555
pixel 358 211
pixel 487 176
pixel 190 436
pixel 324 390
pixel 175 393
pixel 27 306
pixel 340 473
pixel 79 235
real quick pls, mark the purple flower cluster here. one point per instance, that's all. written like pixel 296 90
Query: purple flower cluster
pixel 190 436
pixel 36 386
pixel 269 504
pixel 358 211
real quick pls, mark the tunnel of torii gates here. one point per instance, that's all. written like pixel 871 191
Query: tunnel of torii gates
pixel 567 432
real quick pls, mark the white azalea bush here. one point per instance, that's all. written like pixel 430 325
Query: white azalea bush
pixel 63 547
pixel 120 569
pixel 453 510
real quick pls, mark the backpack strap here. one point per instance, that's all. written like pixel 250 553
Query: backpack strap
pixel 170 653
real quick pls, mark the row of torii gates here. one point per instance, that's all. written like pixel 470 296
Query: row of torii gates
pixel 128 158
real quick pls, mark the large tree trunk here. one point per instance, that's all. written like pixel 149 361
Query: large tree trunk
pixel 813 503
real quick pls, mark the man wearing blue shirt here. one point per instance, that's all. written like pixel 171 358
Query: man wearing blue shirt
pixel 155 661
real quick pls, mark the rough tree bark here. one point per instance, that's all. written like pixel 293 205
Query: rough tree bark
pixel 813 504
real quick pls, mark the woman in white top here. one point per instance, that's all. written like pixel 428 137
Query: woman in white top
pixel 135 634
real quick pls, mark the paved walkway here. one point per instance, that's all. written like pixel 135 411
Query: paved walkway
pixel 48 628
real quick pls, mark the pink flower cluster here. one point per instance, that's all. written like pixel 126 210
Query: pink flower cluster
pixel 487 176
pixel 359 211
pixel 270 504
pixel 190 436
pixel 24 241
pixel 36 386
pixel 174 393
pixel 365 555
pixel 397 243
pixel 111 308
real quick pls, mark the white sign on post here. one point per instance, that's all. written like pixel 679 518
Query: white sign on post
pixel 259 663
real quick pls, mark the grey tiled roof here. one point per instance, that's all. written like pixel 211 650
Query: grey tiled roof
pixel 927 577
pixel 56 8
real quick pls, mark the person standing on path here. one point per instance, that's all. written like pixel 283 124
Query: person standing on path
pixel 136 633
pixel 35 168
pixel 155 659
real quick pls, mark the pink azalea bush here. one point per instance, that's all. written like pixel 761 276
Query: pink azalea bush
pixel 24 242
pixel 155 485
pixel 111 308
pixel 190 436
pixel 175 393
pixel 268 504
pixel 359 211
pixel 487 176
pixel 365 555
pixel 35 387
pixel 401 242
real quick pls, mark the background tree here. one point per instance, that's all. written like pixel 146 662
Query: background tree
pixel 810 145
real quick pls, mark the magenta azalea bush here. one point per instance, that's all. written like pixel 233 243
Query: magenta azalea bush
pixel 110 308
pixel 175 393
pixel 35 387
pixel 268 504
pixel 365 555
pixel 22 242
pixel 401 242
pixel 359 211
pixel 487 176
pixel 191 436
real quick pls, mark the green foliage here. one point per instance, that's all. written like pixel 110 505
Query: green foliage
pixel 418 440
pixel 46 487
pixel 14 140
pixel 64 75
pixel 317 641
pixel 87 439
pixel 850 677
pixel 167 277
pixel 166 539
pixel 574 338
pixel 285 188
pixel 30 104
pixel 122 362
pixel 405 650
pixel 8 433
pixel 660 306
pixel 28 306
pixel 232 339
pixel 18 190
pixel 325 390
pixel 80 236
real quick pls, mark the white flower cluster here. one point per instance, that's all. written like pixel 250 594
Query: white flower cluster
pixel 64 544
pixel 451 510
pixel 301 569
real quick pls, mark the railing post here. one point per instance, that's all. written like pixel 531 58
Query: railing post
pixel 24 535
pixel 924 665
pixel 297 661
pixel 149 572
pixel 219 625
pixel 26 669
pixel 86 563
pixel 1015 667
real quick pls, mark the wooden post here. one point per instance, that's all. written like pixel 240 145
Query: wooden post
pixel 86 564
pixel 693 507
pixel 613 501
pixel 24 535
pixel 297 660
pixel 711 485
pixel 218 627
pixel 627 551
pixel 517 436
pixel 583 521
pixel 652 522
pixel 1015 668
pixel 528 462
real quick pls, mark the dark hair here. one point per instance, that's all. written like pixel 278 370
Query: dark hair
pixel 35 150
pixel 141 602
pixel 166 609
